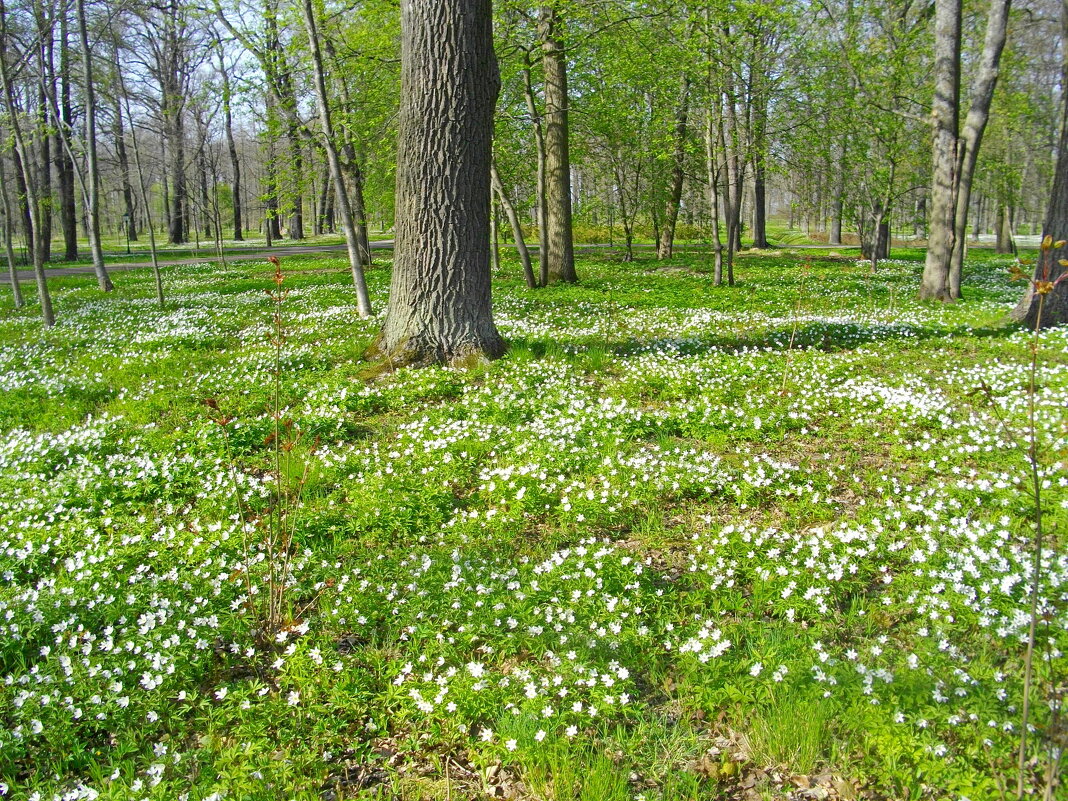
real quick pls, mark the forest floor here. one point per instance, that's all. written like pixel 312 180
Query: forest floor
pixel 768 541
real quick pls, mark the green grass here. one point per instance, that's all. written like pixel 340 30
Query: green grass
pixel 653 552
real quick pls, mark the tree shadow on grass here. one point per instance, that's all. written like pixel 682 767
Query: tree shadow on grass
pixel 828 337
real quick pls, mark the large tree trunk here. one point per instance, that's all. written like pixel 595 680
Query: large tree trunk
pixel 439 306
pixel 517 228
pixel 341 193
pixel 945 119
pixel 666 242
pixel 561 251
pixel 1055 304
pixel 971 137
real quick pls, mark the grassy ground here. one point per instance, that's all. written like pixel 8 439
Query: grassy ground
pixel 682 542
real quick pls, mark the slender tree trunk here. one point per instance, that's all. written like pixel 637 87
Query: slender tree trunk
pixel 271 222
pixel 124 171
pixel 341 194
pixel 935 284
pixel 760 145
pixel 68 214
pixel 997 23
pixel 9 249
pixel 666 241
pixel 24 164
pixel 149 224
pixel 517 228
pixel 325 192
pixel 44 167
pixel 540 193
pixel 1003 234
pixel 351 164
pixel 231 147
pixel 439 306
pixel 733 206
pixel 561 251
pixel 713 198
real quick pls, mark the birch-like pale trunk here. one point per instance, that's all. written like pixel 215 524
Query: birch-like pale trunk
pixel 517 228
pixel 341 194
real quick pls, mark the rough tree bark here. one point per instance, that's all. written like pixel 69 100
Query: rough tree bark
pixel 561 250
pixel 439 306
pixel 945 114
pixel 341 193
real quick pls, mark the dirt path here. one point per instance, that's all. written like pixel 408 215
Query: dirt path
pixel 287 250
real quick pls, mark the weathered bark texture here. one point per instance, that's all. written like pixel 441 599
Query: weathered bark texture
pixel 1055 305
pixel 561 248
pixel 341 193
pixel 439 306
pixel 945 113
